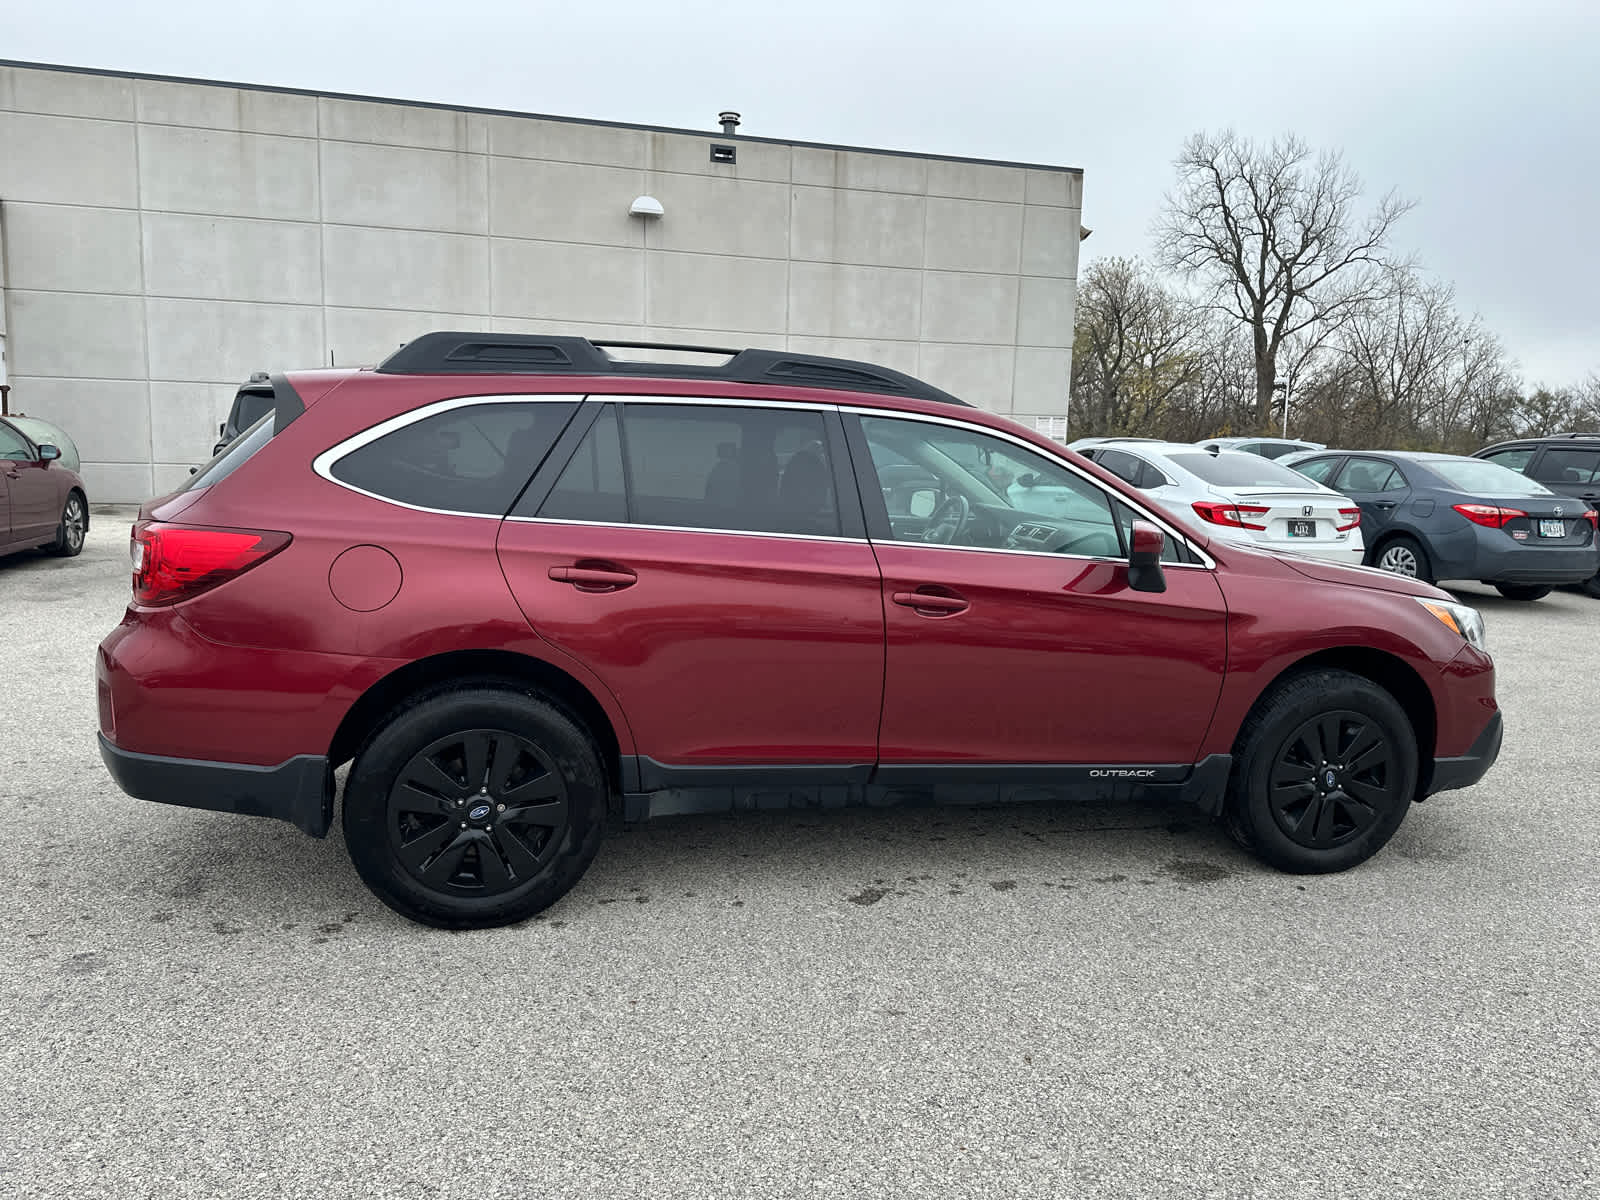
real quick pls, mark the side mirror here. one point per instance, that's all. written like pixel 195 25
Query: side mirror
pixel 1144 558
pixel 222 430
pixel 1029 480
pixel 48 453
pixel 922 503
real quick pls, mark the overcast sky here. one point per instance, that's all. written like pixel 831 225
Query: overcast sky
pixel 1486 112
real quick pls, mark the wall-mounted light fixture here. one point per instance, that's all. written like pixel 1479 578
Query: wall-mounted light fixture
pixel 645 206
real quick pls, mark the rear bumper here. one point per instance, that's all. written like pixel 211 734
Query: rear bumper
pixel 1529 562
pixel 298 790
pixel 1467 769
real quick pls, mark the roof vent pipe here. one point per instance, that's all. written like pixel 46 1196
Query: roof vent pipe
pixel 730 122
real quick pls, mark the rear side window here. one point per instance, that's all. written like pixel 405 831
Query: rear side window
pixel 757 470
pixel 470 459
pixel 1566 466
pixel 1369 475
pixel 591 486
pixel 1515 459
pixel 1318 469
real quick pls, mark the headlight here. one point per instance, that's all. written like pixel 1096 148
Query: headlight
pixel 1468 622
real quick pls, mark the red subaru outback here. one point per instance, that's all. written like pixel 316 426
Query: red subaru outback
pixel 520 583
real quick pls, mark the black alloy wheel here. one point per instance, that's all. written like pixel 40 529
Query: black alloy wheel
pixel 1333 779
pixel 477 813
pixel 475 804
pixel 1324 771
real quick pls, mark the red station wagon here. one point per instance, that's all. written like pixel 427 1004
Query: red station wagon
pixel 521 583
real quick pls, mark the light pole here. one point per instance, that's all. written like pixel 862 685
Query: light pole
pixel 1284 389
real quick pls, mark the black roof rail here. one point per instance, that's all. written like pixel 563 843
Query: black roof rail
pixel 1576 435
pixel 535 354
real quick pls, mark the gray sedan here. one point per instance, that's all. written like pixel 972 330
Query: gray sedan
pixel 1443 516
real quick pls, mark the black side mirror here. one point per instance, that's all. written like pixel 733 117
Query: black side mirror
pixel 1144 559
pixel 48 453
pixel 1029 480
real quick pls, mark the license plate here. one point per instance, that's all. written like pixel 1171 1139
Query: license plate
pixel 1552 529
pixel 1302 529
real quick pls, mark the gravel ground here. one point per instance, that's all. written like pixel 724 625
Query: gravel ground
pixel 1030 1001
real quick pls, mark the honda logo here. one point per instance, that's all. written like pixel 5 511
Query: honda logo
pixel 1307 511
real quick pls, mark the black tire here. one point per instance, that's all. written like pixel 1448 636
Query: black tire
pixel 508 815
pixel 1591 586
pixel 1403 555
pixel 1350 801
pixel 1522 591
pixel 74 527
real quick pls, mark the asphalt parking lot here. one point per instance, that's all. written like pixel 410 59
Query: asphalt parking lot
pixel 1031 1001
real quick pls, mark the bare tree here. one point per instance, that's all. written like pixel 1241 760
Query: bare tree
pixel 1275 233
pixel 1132 349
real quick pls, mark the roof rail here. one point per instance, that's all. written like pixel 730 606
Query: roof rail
pixel 1575 435
pixel 533 354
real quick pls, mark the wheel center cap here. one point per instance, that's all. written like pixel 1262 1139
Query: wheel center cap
pixel 1329 779
pixel 478 812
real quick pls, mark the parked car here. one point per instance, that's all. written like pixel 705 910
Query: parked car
pixel 43 503
pixel 1266 447
pixel 515 582
pixel 1568 463
pixel 251 402
pixel 1245 497
pixel 1446 516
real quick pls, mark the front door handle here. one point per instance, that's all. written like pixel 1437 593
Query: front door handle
pixel 930 603
pixel 594 578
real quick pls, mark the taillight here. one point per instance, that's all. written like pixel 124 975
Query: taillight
pixel 1593 518
pixel 1350 515
pixel 177 562
pixel 1233 515
pixel 1491 516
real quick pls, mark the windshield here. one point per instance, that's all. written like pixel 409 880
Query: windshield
pixel 43 432
pixel 1484 478
pixel 1235 470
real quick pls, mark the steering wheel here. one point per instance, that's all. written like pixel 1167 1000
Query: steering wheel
pixel 948 521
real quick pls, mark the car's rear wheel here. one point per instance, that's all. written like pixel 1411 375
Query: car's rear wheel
pixel 1591 585
pixel 73 529
pixel 1522 591
pixel 1404 556
pixel 475 807
pixel 1324 772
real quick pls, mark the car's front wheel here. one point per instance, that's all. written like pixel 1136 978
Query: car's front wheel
pixel 475 807
pixel 1324 772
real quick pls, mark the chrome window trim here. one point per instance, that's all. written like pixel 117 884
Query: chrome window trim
pixel 762 533
pixel 324 463
pixel 1206 562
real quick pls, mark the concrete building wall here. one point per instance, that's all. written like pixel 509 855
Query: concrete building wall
pixel 164 239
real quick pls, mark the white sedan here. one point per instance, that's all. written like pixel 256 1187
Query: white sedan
pixel 1237 496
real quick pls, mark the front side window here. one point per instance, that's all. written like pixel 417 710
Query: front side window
pixel 1566 466
pixel 980 491
pixel 13 446
pixel 468 459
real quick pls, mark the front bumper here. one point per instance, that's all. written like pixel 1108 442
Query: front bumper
pixel 298 790
pixel 1467 769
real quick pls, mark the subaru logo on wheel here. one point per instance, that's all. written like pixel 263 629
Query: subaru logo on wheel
pixel 1330 779
pixel 478 812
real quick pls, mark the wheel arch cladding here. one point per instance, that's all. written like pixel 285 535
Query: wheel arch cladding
pixel 477 668
pixel 1395 676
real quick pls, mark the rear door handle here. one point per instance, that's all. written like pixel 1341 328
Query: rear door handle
pixel 931 604
pixel 1386 505
pixel 595 579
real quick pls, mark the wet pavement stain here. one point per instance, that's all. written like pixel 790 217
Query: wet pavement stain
pixel 868 895
pixel 86 962
pixel 1193 870
pixel 1004 885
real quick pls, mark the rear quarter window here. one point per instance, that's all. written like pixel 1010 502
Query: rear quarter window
pixel 471 458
